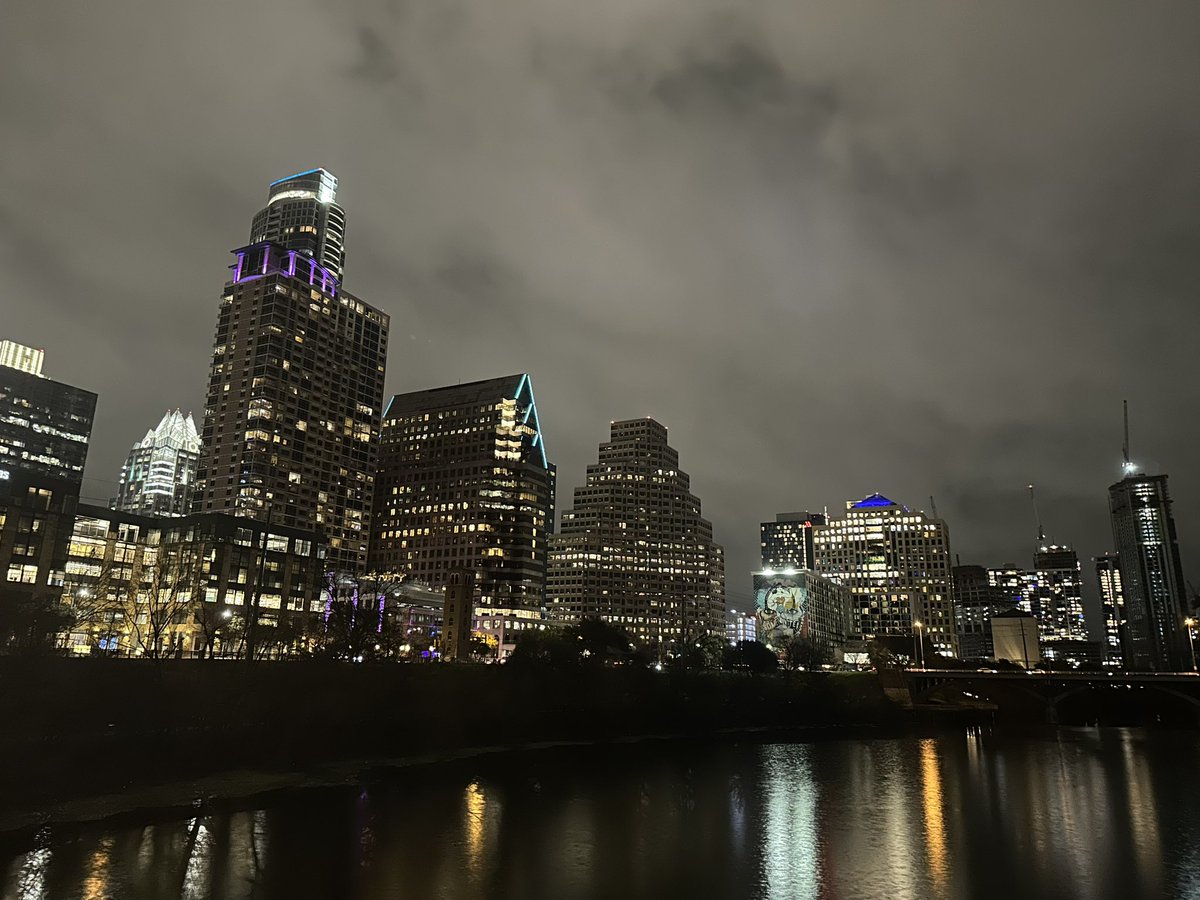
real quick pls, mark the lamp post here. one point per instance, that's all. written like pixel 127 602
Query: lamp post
pixel 917 632
pixel 1188 623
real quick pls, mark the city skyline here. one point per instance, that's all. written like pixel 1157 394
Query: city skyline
pixel 814 250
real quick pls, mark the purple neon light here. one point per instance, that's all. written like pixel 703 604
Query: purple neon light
pixel 329 283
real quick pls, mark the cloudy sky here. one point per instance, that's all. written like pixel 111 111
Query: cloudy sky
pixel 919 248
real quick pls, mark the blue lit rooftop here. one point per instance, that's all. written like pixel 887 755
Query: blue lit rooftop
pixel 875 500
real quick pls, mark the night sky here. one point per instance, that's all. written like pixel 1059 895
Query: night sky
pixel 915 248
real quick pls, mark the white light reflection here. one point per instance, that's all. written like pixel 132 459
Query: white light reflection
pixel 791 843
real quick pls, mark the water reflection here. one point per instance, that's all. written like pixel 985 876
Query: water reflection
pixel 791 845
pixel 931 809
pixel 1084 814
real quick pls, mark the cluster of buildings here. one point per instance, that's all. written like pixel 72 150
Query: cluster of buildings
pixel 884 571
pixel 302 486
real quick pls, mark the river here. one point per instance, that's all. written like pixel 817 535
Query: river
pixel 1073 813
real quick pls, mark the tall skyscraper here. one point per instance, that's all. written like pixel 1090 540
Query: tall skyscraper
pixel 464 483
pixel 160 473
pixel 634 549
pixel 291 422
pixel 896 562
pixel 1059 605
pixel 1112 607
pixel 1151 573
pixel 302 214
pixel 787 543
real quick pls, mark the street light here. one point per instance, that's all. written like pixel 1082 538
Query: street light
pixel 1189 622
pixel 920 640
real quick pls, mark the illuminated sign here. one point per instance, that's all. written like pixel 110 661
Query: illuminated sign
pixel 3 474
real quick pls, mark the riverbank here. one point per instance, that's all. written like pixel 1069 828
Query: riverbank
pixel 90 737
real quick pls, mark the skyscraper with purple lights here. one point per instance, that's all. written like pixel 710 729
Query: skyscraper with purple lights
pixel 291 421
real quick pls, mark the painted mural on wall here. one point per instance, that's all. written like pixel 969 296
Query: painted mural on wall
pixel 781 607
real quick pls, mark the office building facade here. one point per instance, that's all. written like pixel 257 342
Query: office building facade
pixel 45 427
pixel 1059 600
pixel 160 473
pixel 787 543
pixel 213 574
pixel 634 548
pixel 976 600
pixel 464 483
pixel 896 563
pixel 1112 607
pixel 291 420
pixel 1018 585
pixel 1152 580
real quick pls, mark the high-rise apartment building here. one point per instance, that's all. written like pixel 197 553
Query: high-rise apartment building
pixel 302 214
pixel 1059 604
pixel 1112 607
pixel 1151 573
pixel 160 473
pixel 787 543
pixel 896 562
pixel 464 484
pixel 634 549
pixel 291 420
pixel 976 600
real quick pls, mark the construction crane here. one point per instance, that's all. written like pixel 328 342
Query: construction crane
pixel 1041 533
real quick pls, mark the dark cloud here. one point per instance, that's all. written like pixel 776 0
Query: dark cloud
pixel 924 249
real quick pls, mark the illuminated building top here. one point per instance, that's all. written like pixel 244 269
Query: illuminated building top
pixel 302 214
pixel 18 356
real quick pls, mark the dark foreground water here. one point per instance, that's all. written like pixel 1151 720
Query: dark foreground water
pixel 1107 813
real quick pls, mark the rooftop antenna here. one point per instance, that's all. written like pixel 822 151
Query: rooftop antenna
pixel 932 506
pixel 1127 467
pixel 1041 534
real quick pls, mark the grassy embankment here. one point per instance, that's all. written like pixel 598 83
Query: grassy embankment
pixel 83 727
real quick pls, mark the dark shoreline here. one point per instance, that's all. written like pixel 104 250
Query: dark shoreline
pixel 87 739
pixel 240 788
pixel 97 734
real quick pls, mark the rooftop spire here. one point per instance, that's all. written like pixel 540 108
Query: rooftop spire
pixel 1127 467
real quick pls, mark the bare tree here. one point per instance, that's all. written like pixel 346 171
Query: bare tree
pixel 160 614
pixel 361 619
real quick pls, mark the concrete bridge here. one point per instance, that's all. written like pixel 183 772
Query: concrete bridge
pixel 1067 696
